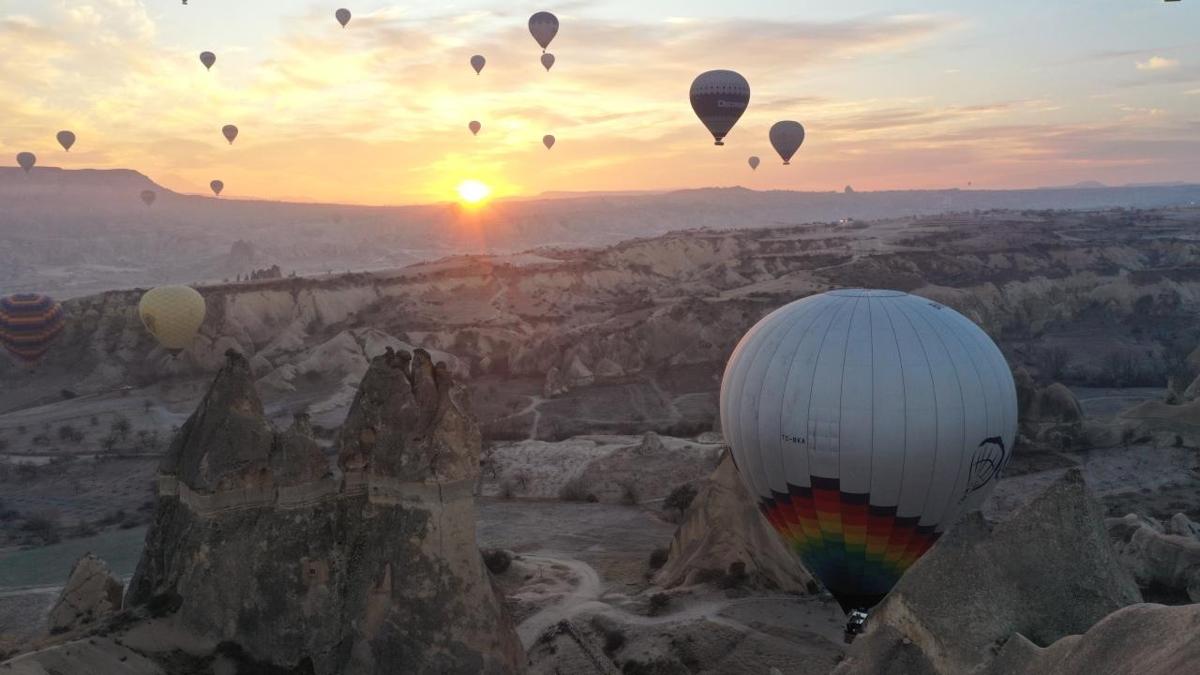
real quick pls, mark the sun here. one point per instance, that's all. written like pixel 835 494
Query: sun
pixel 473 191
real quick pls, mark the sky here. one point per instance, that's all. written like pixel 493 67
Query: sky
pixel 894 94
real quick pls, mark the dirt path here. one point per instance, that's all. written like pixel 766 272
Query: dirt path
pixel 586 592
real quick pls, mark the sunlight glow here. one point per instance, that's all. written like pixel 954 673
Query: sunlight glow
pixel 473 191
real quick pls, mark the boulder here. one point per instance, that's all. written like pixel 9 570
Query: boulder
pixel 91 595
pixel 724 530
pixel 1165 558
pixel 1142 639
pixel 1046 572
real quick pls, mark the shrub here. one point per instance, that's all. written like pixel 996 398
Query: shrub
pixel 69 434
pixel 497 560
pixel 575 490
pixel 614 639
pixel 629 493
pixel 508 489
pixel 658 558
pixel 659 602
pixel 44 526
pixel 680 498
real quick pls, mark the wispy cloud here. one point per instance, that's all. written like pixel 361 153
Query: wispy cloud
pixel 1157 63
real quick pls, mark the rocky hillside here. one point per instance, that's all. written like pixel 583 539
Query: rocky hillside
pixel 259 546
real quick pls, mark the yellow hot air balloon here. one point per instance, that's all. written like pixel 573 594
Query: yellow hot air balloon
pixel 173 315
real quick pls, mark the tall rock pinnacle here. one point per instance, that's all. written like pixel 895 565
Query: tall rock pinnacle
pixel 256 543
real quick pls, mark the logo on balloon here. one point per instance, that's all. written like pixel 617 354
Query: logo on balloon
pixel 986 463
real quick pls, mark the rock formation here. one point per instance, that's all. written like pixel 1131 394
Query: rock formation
pixel 91 595
pixel 1046 572
pixel 1142 639
pixel 1166 558
pixel 254 544
pixel 723 528
pixel 1054 403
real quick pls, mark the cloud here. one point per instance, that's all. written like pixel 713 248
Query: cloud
pixel 1157 63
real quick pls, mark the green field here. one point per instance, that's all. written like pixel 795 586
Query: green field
pixel 51 565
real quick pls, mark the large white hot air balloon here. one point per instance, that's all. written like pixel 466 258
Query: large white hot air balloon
pixel 543 26
pixel 787 137
pixel 865 422
pixel 719 98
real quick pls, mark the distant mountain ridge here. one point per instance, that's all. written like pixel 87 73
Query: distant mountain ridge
pixel 75 232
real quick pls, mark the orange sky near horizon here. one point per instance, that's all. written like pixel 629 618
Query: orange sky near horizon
pixel 377 113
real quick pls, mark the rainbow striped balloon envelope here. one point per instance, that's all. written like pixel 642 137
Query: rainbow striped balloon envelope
pixel 866 422
pixel 29 324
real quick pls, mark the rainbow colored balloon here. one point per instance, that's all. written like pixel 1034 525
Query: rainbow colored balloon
pixel 29 324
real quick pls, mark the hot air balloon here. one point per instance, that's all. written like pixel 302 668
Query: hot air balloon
pixel 548 141
pixel 66 139
pixel 865 422
pixel 786 138
pixel 343 16
pixel 26 160
pixel 719 98
pixel 230 132
pixel 474 126
pixel 548 61
pixel 217 186
pixel 478 62
pixel 148 197
pixel 543 26
pixel 29 324
pixel 754 161
pixel 208 59
pixel 173 315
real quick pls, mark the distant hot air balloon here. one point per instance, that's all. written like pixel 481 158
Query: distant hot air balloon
pixel 230 132
pixel 208 59
pixel 864 422
pixel 478 62
pixel 474 126
pixel 548 61
pixel 217 186
pixel 173 315
pixel 754 161
pixel 148 197
pixel 543 26
pixel 29 324
pixel 66 139
pixel 786 138
pixel 719 98
pixel 26 160
pixel 548 141
pixel 343 16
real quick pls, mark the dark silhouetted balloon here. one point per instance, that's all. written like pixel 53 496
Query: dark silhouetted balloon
pixel 719 98
pixel 26 160
pixel 230 132
pixel 343 16
pixel 66 139
pixel 29 324
pixel 148 197
pixel 548 141
pixel 754 163
pixel 474 127
pixel 548 61
pixel 478 62
pixel 217 186
pixel 786 138
pixel 543 26
pixel 208 59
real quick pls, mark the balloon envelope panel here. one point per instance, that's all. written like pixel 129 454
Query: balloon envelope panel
pixel 29 324
pixel 866 422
